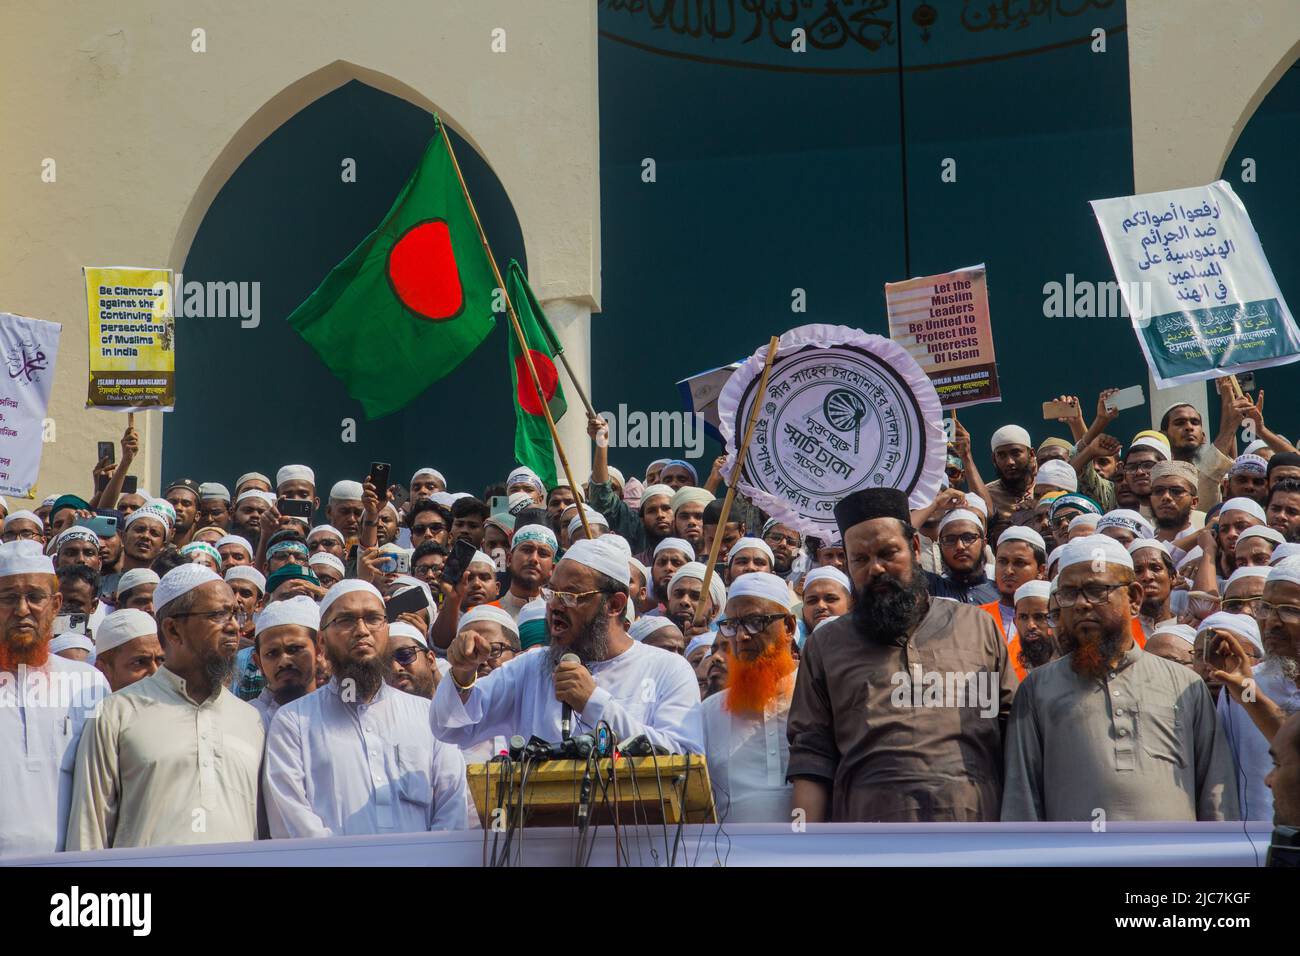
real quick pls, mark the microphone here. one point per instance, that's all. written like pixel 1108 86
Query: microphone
pixel 566 712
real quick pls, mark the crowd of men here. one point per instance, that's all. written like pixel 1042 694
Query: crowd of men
pixel 1097 631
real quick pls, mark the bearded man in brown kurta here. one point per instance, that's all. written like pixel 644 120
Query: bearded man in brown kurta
pixel 900 707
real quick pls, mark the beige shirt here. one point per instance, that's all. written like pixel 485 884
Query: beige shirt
pixel 156 769
pixel 1143 743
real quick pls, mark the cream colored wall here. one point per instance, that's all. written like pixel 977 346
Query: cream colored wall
pixel 145 132
pixel 1198 70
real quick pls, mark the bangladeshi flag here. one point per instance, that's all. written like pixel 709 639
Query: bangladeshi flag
pixel 413 300
pixel 533 445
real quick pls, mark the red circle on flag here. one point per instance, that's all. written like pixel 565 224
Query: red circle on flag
pixel 422 271
pixel 546 375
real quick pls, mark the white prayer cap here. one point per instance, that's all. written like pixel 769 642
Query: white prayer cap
pixel 594 517
pixel 690 495
pixel 1037 589
pixel 675 544
pixel 534 610
pixel 1095 547
pixel 751 544
pixel 1287 570
pixel 701 640
pixel 428 473
pixel 31 516
pixel 1246 572
pixel 1255 446
pixel 1021 533
pixel 121 627
pixel 74 533
pixel 977 504
pixel 23 557
pixel 1184 632
pixel 1054 556
pixel 612 540
pixel 347 490
pixel 482 557
pixel 1243 625
pixel 651 491
pixel 49 500
pixel 1128 519
pixel 246 572
pixel 961 514
pixel 606 559
pixel 616 475
pixel 1141 543
pixel 1087 518
pixel 536 533
pixel 256 493
pixel 695 570
pixel 1190 557
pixel 295 473
pixel 824 621
pixel 828 573
pixel 214 489
pixel 251 476
pixel 457 495
pixel 643 627
pixel 523 475
pixel 347 586
pixel 1261 531
pixel 1058 474
pixel 328 560
pixel 181 580
pixel 517 501
pixel 300 610
pixel 764 585
pixel 234 539
pixel 321 529
pixel 146 513
pixel 70 640
pixel 389 506
pixel 409 631
pixel 134 578
pixel 636 565
pixel 491 614
pixel 1247 505
pixel 1284 551
pixel 1010 435
pixel 1159 445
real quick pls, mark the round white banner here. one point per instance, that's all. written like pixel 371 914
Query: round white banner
pixel 843 411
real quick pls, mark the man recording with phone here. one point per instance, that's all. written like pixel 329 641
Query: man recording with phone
pixel 633 688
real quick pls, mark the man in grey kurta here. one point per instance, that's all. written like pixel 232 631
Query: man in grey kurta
pixel 1110 732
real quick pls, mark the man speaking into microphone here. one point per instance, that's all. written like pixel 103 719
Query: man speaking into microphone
pixel 634 688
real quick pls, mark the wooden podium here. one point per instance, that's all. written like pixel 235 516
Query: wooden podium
pixel 676 790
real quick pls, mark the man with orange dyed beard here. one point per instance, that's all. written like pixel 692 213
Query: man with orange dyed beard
pixel 44 702
pixel 745 725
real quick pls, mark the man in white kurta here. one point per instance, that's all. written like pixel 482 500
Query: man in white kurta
pixel 43 707
pixel 634 688
pixel 173 759
pixel 356 756
pixel 745 741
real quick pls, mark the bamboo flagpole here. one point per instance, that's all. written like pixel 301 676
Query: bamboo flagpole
pixel 735 479
pixel 519 333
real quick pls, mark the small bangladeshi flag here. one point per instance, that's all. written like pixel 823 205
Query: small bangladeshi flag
pixel 413 300
pixel 533 445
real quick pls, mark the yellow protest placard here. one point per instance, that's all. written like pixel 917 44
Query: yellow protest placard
pixel 132 339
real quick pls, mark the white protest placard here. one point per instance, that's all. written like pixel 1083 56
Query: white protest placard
pixel 30 348
pixel 1197 286
pixel 843 411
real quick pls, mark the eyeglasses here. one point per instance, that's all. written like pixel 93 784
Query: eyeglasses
pixel 792 540
pixel 1092 594
pixel 20 536
pixel 405 655
pixel 1286 613
pixel 427 570
pixel 754 624
pixel 1239 604
pixel 428 528
pixel 1172 491
pixel 965 540
pixel 33 598
pixel 1139 465
pixel 374 620
pixel 217 617
pixel 567 598
pixel 495 651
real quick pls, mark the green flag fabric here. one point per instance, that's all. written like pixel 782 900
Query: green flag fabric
pixel 413 300
pixel 533 445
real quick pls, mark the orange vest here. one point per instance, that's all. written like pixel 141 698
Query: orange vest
pixel 1013 646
